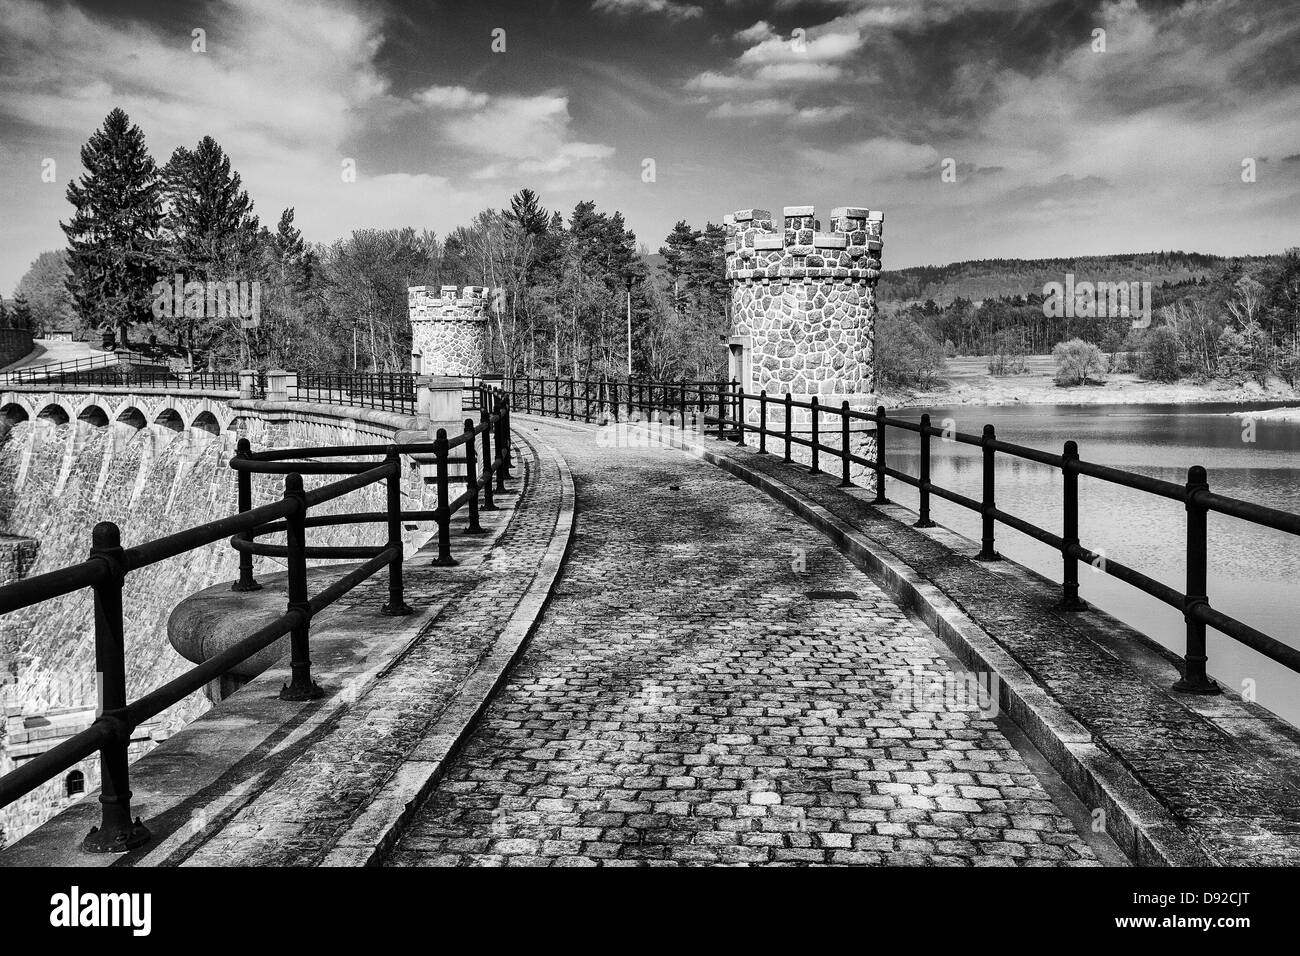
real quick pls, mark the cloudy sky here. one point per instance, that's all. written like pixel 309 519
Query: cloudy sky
pixel 1058 148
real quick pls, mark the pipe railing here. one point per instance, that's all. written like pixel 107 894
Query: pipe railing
pixel 719 409
pixel 105 571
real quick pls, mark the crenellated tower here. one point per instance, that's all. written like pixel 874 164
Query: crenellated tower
pixel 448 331
pixel 803 304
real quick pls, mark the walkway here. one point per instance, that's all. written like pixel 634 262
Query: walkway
pixel 713 682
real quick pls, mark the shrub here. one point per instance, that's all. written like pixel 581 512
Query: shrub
pixel 905 354
pixel 1075 359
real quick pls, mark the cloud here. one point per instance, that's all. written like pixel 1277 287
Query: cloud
pixel 671 9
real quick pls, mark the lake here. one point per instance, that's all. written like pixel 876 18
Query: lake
pixel 1254 573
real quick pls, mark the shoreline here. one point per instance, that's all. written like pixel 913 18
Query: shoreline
pixel 970 384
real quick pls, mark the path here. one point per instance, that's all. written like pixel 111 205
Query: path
pixel 715 683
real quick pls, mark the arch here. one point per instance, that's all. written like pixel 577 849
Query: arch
pixel 94 415
pixel 170 418
pixel 74 784
pixel 13 413
pixel 55 414
pixel 206 421
pixel 132 416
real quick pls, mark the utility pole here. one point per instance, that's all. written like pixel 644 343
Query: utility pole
pixel 629 324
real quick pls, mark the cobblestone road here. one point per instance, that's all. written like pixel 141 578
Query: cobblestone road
pixel 718 684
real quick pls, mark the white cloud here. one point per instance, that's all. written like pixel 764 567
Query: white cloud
pixel 671 9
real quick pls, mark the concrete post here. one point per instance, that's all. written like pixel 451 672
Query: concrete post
pixel 247 382
pixel 277 385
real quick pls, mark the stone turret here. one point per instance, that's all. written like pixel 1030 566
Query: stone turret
pixel 449 330
pixel 803 306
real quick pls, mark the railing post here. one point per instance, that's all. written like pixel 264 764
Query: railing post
pixel 503 444
pixel 442 514
pixel 301 686
pixel 740 416
pixel 924 521
pixel 845 480
pixel 722 410
pixel 681 400
pixel 116 832
pixel 485 419
pixel 789 411
pixel 880 456
pixel 815 433
pixel 1070 600
pixel 244 491
pixel 1195 680
pixel 396 606
pixel 762 422
pixel 989 503
pixel 471 479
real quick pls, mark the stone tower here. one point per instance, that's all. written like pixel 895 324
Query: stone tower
pixel 803 309
pixel 449 331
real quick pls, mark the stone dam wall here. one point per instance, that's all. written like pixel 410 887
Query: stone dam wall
pixel 59 480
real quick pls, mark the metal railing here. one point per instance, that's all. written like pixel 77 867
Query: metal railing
pixel 720 409
pixel 109 564
pixel 388 391
pixel 43 373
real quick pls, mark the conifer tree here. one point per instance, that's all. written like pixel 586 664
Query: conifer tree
pixel 113 235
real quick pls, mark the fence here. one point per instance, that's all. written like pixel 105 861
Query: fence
pixel 109 563
pixel 389 391
pixel 728 421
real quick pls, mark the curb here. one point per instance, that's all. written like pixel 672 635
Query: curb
pixel 1137 822
pixel 391 810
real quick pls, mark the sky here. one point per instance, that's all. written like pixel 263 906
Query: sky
pixel 1056 140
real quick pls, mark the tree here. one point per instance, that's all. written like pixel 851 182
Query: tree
pixel 213 236
pixel 22 317
pixel 114 250
pixel 1161 355
pixel 1075 359
pixel 905 355
pixel 45 286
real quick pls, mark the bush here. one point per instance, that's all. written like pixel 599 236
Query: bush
pixel 1075 359
pixel 1161 355
pixel 905 355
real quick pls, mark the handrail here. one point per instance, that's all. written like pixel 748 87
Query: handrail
pixel 109 563
pixel 719 409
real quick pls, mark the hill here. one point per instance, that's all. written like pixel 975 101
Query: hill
pixel 981 279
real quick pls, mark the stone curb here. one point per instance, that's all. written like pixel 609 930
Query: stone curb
pixel 391 810
pixel 1135 820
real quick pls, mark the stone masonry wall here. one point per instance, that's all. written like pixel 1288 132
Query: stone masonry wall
pixel 803 306
pixel 449 331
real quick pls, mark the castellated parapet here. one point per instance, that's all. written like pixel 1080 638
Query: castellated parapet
pixel 804 302
pixel 449 330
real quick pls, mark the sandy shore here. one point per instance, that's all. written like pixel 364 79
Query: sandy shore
pixel 970 383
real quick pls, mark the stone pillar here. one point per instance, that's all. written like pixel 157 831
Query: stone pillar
pixel 449 331
pixel 247 383
pixel 803 312
pixel 277 385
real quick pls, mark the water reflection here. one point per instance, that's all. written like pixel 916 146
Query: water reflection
pixel 1253 571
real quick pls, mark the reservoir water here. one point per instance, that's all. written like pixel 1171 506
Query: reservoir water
pixel 1254 573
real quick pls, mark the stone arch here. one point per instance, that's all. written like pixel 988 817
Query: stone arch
pixel 171 419
pixel 94 415
pixel 206 421
pixel 54 414
pixel 12 413
pixel 132 416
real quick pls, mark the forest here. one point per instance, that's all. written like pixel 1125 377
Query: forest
pixel 567 283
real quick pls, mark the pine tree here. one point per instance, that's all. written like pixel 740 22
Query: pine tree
pixel 22 313
pixel 209 217
pixel 113 242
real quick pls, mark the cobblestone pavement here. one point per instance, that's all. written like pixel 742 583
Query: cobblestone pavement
pixel 1236 794
pixel 297 818
pixel 713 682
